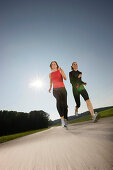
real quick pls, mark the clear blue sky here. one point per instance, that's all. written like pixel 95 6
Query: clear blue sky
pixel 34 33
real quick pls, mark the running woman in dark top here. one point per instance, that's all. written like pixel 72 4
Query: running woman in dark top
pixel 78 89
pixel 59 92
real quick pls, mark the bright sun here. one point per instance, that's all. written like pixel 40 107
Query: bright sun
pixel 37 83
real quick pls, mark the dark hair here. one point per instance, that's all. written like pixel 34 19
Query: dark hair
pixel 71 68
pixel 72 64
pixel 54 62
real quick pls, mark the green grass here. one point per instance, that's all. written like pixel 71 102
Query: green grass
pixel 17 135
pixel 106 113
pixel 80 119
pixel 102 114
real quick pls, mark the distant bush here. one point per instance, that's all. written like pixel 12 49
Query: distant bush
pixel 14 122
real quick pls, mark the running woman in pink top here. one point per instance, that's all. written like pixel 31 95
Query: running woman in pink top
pixel 59 92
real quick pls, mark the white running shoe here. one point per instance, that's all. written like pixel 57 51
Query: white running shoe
pixel 66 127
pixel 66 124
pixel 76 113
pixel 95 117
pixel 62 122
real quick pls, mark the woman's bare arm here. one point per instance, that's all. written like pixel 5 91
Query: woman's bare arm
pixel 63 74
pixel 50 82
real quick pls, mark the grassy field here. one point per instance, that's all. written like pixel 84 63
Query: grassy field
pixel 102 114
pixel 17 135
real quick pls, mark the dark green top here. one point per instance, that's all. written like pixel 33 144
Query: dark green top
pixel 74 80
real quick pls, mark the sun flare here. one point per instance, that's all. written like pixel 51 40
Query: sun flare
pixel 37 83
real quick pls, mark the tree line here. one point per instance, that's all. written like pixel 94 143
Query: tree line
pixel 14 122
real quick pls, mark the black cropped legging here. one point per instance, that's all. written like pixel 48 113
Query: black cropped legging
pixel 61 101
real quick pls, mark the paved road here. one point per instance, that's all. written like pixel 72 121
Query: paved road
pixel 85 146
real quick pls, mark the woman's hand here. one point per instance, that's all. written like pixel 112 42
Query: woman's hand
pixel 60 69
pixel 49 90
pixel 62 73
pixel 80 75
pixel 85 84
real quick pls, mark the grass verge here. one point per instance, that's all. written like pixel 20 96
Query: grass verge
pixel 17 135
pixel 106 113
pixel 102 114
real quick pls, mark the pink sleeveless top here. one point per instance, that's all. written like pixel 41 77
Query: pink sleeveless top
pixel 57 79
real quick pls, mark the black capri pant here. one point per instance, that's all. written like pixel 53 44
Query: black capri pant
pixel 80 91
pixel 61 101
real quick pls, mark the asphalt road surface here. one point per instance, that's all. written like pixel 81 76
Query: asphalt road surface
pixel 85 146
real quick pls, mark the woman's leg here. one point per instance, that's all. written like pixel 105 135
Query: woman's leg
pixel 77 100
pixel 90 107
pixel 85 95
pixel 89 104
pixel 64 102
pixel 57 95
